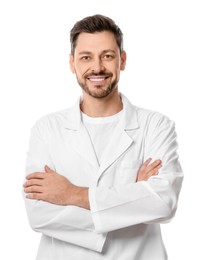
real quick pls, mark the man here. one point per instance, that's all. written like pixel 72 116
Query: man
pixel 102 175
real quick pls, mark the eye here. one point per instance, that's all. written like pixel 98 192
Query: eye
pixel 85 58
pixel 108 57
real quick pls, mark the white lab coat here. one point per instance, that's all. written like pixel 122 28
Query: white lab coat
pixel 124 219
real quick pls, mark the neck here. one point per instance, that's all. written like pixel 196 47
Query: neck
pixel 101 107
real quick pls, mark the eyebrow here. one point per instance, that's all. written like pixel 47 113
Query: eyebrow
pixel 84 52
pixel 103 52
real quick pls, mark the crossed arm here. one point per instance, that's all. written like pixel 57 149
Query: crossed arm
pixel 149 200
pixel 52 187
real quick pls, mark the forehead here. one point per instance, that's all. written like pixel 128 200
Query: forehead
pixel 96 42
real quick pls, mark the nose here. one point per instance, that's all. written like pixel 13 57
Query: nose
pixel 97 65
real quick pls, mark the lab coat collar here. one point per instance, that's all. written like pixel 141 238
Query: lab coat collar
pixel 73 119
pixel 121 139
pixel 128 121
pixel 129 118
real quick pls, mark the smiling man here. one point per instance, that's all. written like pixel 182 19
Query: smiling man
pixel 102 175
pixel 97 63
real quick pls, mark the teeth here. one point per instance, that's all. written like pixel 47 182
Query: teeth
pixel 97 79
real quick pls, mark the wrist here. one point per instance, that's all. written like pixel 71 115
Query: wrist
pixel 81 197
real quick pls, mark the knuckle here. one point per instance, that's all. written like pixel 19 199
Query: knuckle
pixel 34 195
pixel 32 189
pixel 28 183
pixel 27 190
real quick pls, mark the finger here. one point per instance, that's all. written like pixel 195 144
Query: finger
pixel 145 164
pixel 35 196
pixel 154 171
pixel 153 165
pixel 47 169
pixel 37 182
pixel 142 169
pixel 33 189
pixel 35 175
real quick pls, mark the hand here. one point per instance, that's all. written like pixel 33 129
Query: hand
pixel 49 186
pixel 147 170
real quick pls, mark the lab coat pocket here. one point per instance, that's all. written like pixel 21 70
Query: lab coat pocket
pixel 128 171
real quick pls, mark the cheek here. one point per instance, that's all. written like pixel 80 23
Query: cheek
pixel 80 70
pixel 116 70
pixel 113 68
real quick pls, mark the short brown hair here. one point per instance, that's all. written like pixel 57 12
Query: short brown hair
pixel 92 24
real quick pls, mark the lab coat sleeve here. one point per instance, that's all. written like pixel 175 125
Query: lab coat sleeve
pixel 67 223
pixel 152 201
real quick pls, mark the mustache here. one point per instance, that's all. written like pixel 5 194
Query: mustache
pixel 100 73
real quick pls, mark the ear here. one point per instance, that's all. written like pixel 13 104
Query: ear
pixel 71 63
pixel 123 60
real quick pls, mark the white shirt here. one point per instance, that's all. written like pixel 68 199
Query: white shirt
pixel 125 216
pixel 100 130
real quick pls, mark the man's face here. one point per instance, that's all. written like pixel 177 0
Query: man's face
pixel 97 63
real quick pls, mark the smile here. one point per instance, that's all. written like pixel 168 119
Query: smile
pixel 97 78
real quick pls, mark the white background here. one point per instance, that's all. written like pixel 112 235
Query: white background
pixel 166 71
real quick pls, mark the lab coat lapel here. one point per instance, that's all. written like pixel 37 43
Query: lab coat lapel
pixel 119 143
pixel 120 140
pixel 82 144
pixel 79 138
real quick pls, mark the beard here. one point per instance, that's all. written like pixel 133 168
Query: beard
pixel 100 91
